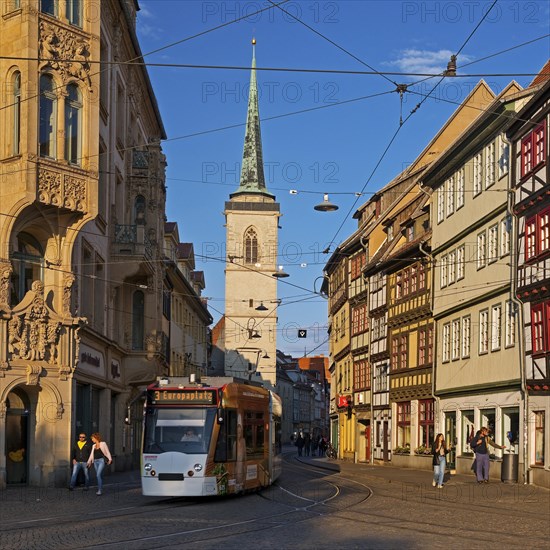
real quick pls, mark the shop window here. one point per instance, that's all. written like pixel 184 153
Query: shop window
pixel 510 429
pixel 488 417
pixel 539 437
pixel 468 431
pixel 404 424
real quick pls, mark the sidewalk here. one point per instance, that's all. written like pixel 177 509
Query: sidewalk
pixel 410 484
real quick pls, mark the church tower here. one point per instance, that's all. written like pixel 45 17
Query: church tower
pixel 251 217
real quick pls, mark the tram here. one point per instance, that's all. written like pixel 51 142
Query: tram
pixel 219 436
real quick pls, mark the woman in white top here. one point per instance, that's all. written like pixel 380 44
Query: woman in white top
pixel 99 456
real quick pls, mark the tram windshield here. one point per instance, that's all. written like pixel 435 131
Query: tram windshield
pixel 181 430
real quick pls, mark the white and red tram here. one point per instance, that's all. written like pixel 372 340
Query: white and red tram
pixel 216 437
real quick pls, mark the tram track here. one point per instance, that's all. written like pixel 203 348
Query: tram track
pixel 322 494
pixel 97 520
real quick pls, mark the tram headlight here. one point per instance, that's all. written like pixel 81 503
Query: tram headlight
pixel 197 467
pixel 148 467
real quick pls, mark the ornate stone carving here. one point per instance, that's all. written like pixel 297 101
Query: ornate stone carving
pixel 5 274
pixel 69 192
pixel 33 374
pixel 32 335
pixel 68 282
pixel 49 187
pixel 64 372
pixel 66 52
pixel 59 411
pixel 4 366
pixel 3 409
pixel 77 339
pixel 75 193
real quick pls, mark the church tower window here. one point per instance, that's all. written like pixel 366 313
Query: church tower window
pixel 250 246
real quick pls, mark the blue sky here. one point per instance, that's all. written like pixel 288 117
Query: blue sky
pixel 336 144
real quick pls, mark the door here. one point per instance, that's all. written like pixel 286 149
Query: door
pixel 450 437
pixel 367 442
pixel 17 437
pixel 385 438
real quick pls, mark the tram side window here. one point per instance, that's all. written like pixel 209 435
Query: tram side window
pixel 278 445
pixel 226 446
pixel 254 434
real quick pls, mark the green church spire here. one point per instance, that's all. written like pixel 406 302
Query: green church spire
pixel 252 170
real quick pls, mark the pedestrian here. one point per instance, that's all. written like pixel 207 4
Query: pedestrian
pixel 439 461
pixel 322 445
pixel 79 457
pixel 300 444
pixel 307 444
pixel 99 456
pixel 481 444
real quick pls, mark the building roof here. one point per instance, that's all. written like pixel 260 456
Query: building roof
pixel 543 75
pixel 185 251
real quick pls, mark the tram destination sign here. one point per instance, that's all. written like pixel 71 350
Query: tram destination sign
pixel 180 396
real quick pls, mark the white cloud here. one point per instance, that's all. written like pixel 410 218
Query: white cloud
pixel 146 23
pixel 424 61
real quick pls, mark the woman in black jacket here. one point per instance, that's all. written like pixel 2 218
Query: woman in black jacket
pixel 439 461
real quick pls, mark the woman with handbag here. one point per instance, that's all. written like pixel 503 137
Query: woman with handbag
pixel 99 456
pixel 439 461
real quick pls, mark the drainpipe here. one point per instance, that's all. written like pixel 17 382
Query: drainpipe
pixel 432 299
pixel 371 434
pixel 432 291
pixel 519 317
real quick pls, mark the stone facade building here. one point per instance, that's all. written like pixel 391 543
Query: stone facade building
pixel 82 199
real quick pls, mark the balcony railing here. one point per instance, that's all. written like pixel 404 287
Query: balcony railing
pixel 132 239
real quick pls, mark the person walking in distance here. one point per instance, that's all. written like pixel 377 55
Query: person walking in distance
pixel 79 457
pixel 99 456
pixel 481 444
pixel 439 461
pixel 300 444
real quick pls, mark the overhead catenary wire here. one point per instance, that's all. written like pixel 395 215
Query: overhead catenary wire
pixel 402 122
pixel 248 68
pixel 134 60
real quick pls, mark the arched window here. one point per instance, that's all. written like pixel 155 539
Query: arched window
pixel 250 246
pixel 16 103
pixel 48 6
pixel 73 124
pixel 48 116
pixel 138 330
pixel 74 12
pixel 139 210
pixel 28 262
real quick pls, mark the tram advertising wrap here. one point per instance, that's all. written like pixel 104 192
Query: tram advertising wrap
pixel 215 437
